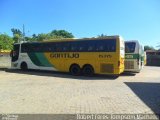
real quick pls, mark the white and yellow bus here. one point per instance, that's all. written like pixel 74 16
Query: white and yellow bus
pixel 77 56
pixel 134 56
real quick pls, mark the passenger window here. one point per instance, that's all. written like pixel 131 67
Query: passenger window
pixel 66 47
pixel 90 48
pixel 99 47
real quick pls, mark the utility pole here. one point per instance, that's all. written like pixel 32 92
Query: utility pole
pixel 23 32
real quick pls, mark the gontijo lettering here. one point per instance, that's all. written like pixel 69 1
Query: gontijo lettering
pixel 64 55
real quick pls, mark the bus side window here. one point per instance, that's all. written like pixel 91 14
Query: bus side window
pixel 24 48
pixel 46 47
pixel 91 47
pixel 66 47
pixel 83 46
pixel 99 47
pixel 113 48
pixel 79 47
pixel 110 46
pixel 34 48
pixel 73 47
pixel 58 47
pixel 51 47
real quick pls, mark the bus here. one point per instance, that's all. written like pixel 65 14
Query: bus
pixel 134 56
pixel 86 56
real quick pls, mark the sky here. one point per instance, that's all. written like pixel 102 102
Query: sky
pixel 132 19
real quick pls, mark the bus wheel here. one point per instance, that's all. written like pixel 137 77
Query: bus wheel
pixel 75 69
pixel 88 70
pixel 24 66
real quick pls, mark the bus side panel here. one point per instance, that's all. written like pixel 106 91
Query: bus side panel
pixel 63 61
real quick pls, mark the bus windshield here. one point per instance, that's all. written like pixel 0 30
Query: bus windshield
pixel 130 47
pixel 15 52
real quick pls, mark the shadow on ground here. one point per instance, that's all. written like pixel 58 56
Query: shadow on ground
pixel 60 74
pixel 149 93
pixel 128 74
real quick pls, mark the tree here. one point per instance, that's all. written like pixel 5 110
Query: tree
pixel 148 48
pixel 55 34
pixel 42 37
pixel 17 34
pixel 61 33
pixel 34 37
pixel 6 42
pixel 28 39
pixel 16 31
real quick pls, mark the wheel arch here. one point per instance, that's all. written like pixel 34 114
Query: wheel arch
pixel 23 63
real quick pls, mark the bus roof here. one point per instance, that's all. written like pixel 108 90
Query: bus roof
pixel 132 41
pixel 72 39
pixel 78 39
pixel 136 41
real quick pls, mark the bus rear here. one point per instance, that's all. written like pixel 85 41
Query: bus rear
pixel 132 56
pixel 110 61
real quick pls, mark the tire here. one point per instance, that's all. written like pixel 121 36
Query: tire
pixel 75 70
pixel 88 70
pixel 24 66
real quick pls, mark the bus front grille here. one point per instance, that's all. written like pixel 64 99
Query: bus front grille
pixel 106 68
pixel 129 64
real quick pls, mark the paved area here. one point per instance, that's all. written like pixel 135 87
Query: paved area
pixel 52 92
pixel 4 61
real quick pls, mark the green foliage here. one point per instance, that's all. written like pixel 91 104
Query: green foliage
pixel 16 38
pixel 61 33
pixel 28 38
pixel 34 37
pixel 148 48
pixel 43 36
pixel 6 42
pixel 55 34
pixel 16 31
pixel 17 34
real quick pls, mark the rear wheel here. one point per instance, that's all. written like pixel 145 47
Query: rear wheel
pixel 24 66
pixel 88 70
pixel 75 69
